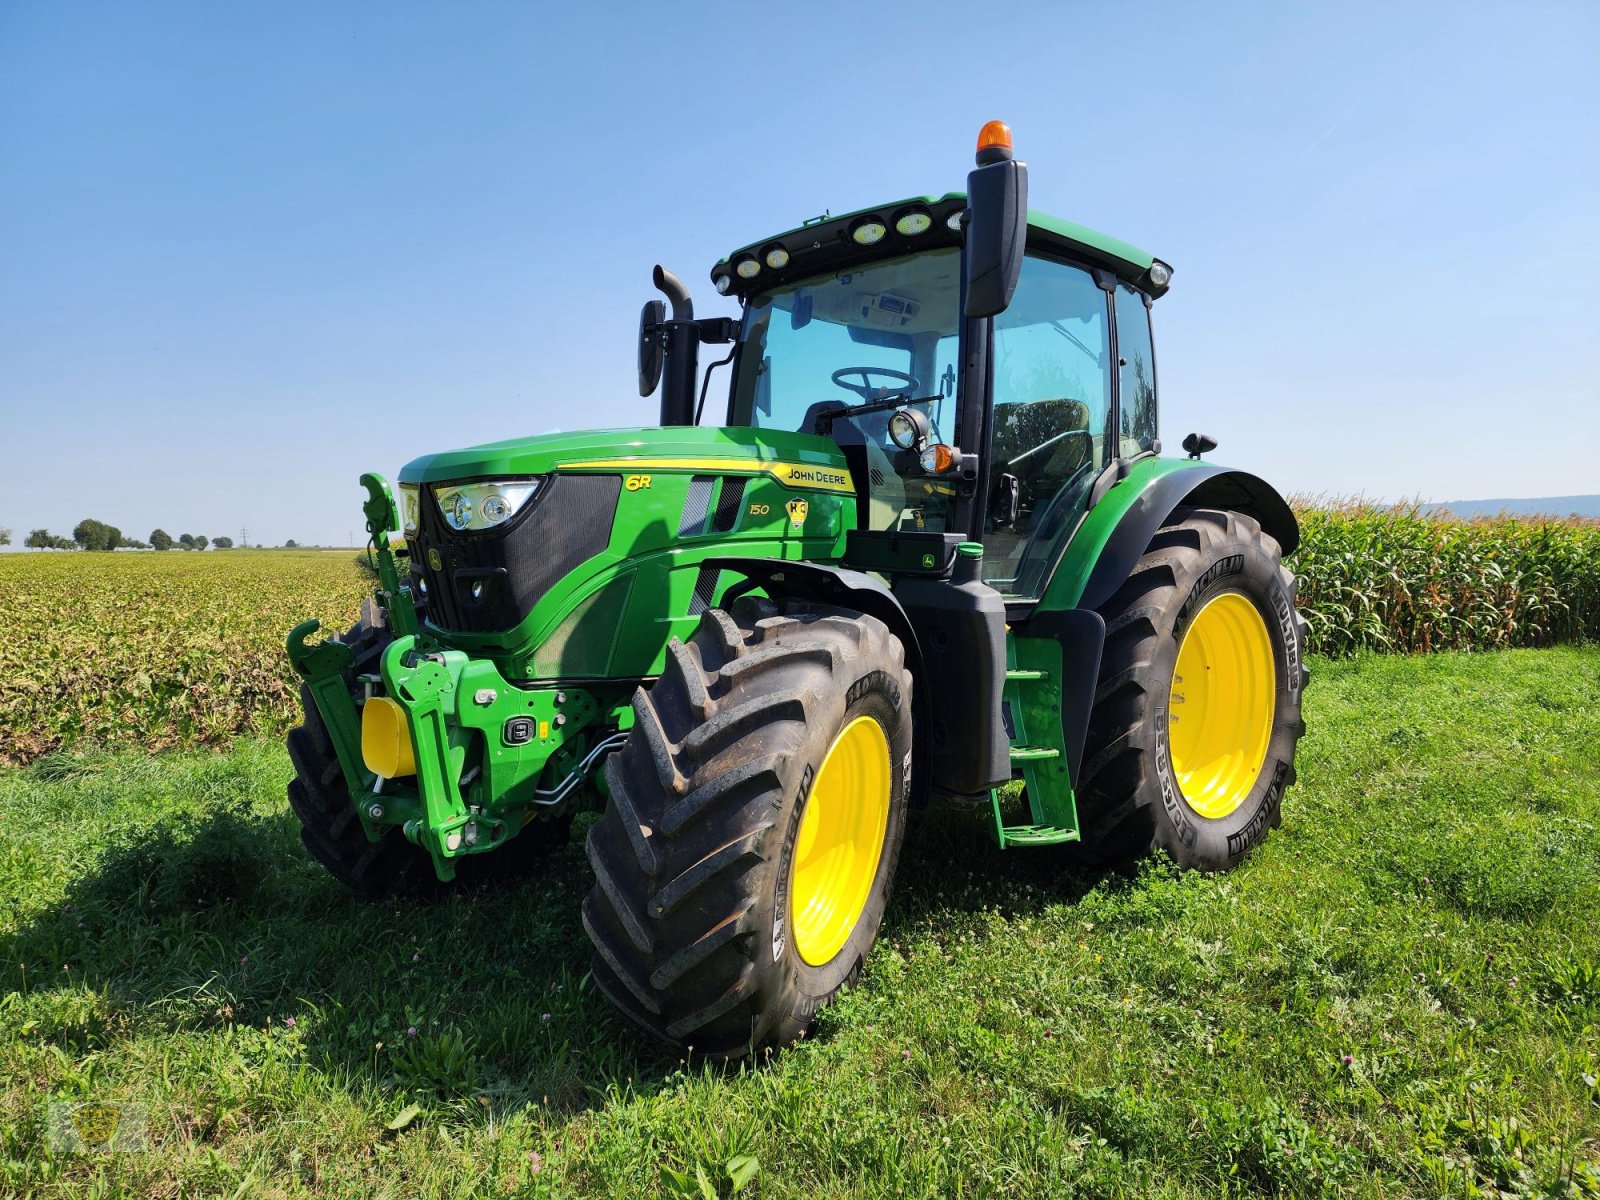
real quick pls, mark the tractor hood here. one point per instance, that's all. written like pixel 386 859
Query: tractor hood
pixel 634 514
pixel 661 448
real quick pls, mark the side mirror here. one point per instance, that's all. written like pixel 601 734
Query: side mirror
pixel 652 354
pixel 1197 444
pixel 997 234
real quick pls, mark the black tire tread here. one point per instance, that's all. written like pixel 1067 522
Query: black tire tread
pixel 1115 799
pixel 692 814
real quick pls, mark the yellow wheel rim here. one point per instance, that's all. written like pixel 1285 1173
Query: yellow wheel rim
pixel 840 841
pixel 1221 704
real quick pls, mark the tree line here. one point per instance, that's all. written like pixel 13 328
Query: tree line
pixel 90 534
pixel 97 535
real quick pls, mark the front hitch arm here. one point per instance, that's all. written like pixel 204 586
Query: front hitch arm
pixel 322 665
pixel 425 685
pixel 383 520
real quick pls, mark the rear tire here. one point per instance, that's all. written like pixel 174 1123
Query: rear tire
pixel 1130 799
pixel 332 832
pixel 691 914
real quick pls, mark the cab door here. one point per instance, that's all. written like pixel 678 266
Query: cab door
pixel 1051 433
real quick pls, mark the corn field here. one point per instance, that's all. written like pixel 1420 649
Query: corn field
pixel 1397 580
pixel 166 650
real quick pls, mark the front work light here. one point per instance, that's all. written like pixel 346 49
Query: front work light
pixel 1160 273
pixel 472 506
pixel 913 223
pixel 724 284
pixel 869 232
pixel 777 258
pixel 747 267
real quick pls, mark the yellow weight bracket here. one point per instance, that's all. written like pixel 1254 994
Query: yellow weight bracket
pixel 1221 705
pixel 386 739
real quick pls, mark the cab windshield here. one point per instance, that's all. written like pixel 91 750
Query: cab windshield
pixel 882 332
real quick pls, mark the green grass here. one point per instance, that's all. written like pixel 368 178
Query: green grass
pixel 1399 996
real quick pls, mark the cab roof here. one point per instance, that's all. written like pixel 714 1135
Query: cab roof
pixel 825 243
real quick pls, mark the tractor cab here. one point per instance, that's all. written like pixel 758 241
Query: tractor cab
pixel 956 421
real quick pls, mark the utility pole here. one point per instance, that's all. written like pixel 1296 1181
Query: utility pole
pixel 244 537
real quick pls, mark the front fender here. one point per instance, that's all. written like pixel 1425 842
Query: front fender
pixel 824 584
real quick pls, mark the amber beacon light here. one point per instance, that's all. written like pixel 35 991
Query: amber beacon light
pixel 994 143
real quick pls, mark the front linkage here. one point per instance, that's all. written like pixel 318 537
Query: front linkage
pixel 459 751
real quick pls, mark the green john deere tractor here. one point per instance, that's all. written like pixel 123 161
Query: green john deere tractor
pixel 932 547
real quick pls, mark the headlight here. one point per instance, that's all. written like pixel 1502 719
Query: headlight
pixel 410 507
pixel 483 505
pixel 908 429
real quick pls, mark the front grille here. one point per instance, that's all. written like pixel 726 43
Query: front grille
pixel 487 581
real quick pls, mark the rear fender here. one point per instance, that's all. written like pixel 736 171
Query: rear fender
pixel 1108 546
pixel 1200 486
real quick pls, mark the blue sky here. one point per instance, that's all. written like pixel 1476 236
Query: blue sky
pixel 248 251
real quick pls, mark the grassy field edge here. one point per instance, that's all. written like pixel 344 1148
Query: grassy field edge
pixel 1398 996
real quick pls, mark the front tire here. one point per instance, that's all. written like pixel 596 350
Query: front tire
pixel 756 812
pixel 1198 710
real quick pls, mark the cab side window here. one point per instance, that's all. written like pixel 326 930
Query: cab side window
pixel 1136 380
pixel 1052 419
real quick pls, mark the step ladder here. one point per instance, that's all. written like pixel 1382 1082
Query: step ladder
pixel 1038 749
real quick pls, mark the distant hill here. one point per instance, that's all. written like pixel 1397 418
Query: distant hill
pixel 1534 506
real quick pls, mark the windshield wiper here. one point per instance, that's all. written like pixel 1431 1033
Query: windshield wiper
pixel 1074 339
pixel 872 406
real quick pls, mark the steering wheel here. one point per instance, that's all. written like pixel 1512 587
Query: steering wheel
pixel 865 390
